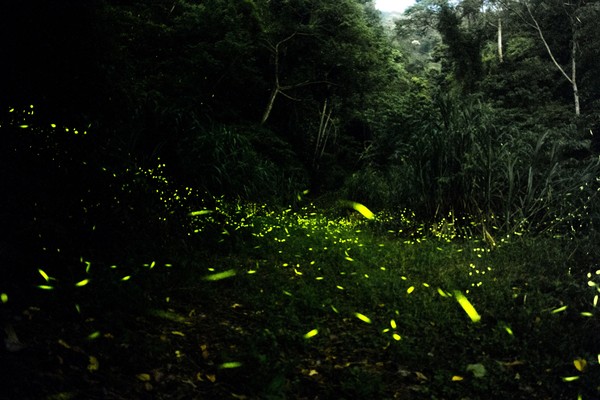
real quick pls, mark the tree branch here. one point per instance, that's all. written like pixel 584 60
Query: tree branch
pixel 539 30
pixel 279 88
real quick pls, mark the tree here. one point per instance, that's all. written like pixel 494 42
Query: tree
pixel 572 78
pixel 462 28
pixel 533 13
pixel 279 88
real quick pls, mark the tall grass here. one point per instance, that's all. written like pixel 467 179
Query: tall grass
pixel 459 159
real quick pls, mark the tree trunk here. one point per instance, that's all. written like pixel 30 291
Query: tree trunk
pixel 573 78
pixel 500 53
pixel 277 89
pixel 269 106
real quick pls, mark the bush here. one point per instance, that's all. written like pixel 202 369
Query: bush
pixel 460 159
pixel 240 161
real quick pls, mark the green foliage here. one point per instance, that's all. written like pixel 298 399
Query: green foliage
pixel 463 47
pixel 227 160
pixel 150 234
pixel 461 158
pixel 337 275
pixel 510 147
pixel 230 294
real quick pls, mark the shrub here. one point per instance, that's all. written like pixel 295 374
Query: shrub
pixel 229 160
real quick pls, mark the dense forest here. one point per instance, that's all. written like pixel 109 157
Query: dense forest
pixel 300 199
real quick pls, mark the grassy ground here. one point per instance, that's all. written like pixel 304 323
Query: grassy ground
pixel 300 305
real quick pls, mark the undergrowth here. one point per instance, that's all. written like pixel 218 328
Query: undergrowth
pixel 300 304
pixel 349 313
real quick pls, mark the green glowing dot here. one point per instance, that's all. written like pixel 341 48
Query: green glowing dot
pixel 94 335
pixel 201 212
pixel 569 378
pixel 364 211
pixel 362 317
pixel 220 275
pixel 311 333
pixel 82 283
pixel 467 306
pixel 4 298
pixel 44 275
pixel 231 364
pixel 558 310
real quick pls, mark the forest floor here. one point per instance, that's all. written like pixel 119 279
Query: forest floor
pixel 298 305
